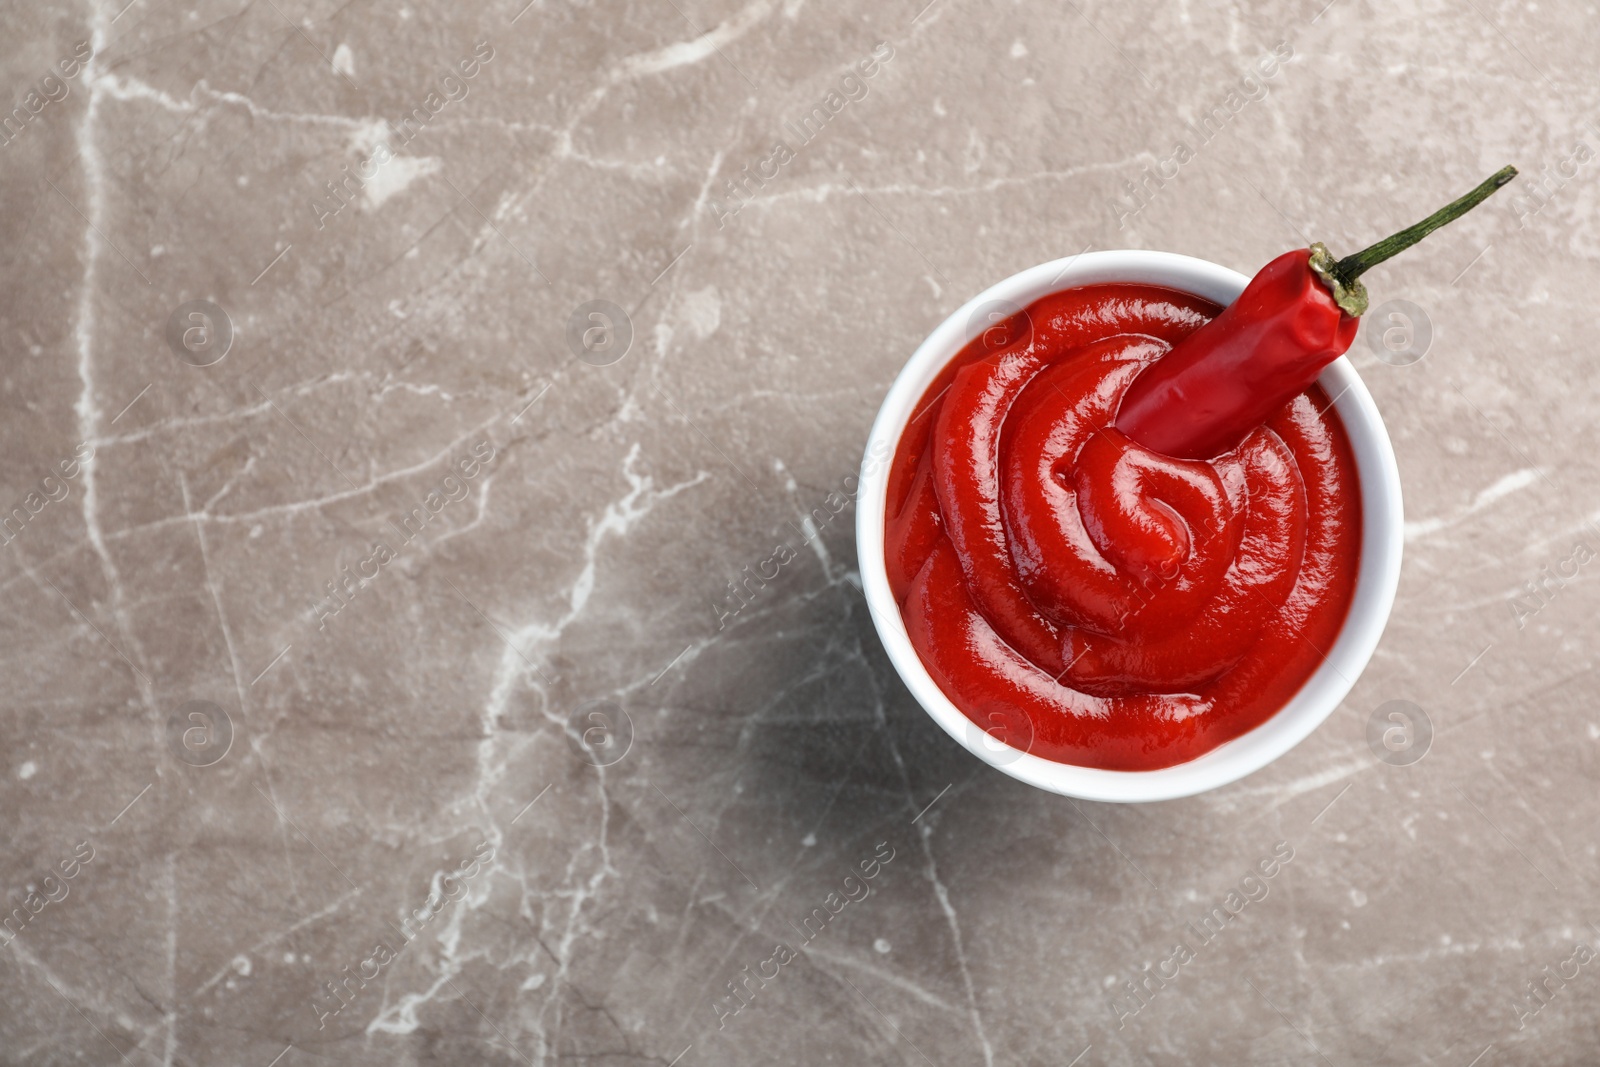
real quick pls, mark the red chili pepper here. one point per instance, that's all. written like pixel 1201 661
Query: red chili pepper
pixel 1297 315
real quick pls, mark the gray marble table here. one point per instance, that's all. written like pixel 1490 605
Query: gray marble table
pixel 323 549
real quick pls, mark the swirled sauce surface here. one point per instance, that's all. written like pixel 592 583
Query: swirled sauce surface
pixel 1090 601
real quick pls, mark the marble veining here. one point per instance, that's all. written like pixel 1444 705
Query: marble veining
pixel 433 633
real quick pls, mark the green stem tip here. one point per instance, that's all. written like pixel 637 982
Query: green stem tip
pixel 1348 269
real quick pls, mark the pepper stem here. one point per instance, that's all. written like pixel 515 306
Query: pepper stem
pixel 1348 269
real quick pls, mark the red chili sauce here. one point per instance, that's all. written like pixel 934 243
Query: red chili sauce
pixel 1088 600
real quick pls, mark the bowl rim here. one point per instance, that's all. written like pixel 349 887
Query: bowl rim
pixel 1377 573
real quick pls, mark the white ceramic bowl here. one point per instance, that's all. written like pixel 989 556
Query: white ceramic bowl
pixel 1376 578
